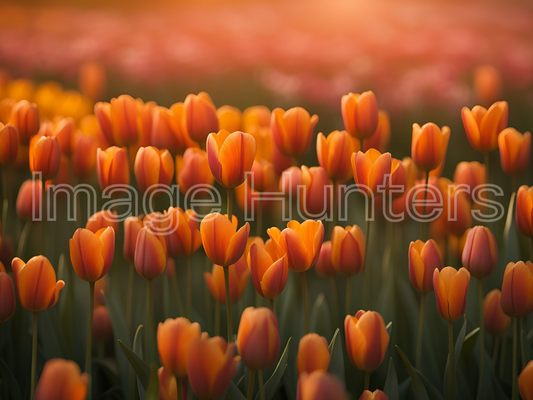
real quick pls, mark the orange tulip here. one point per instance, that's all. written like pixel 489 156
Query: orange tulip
pixel 150 253
pixel 169 130
pixel 200 116
pixel 37 288
pixel 258 338
pixel 515 151
pixel 124 120
pixel 269 273
pixel 62 380
pixel 102 328
pixel 292 130
pixel 334 154
pixel 398 178
pixel 112 167
pixel 9 144
pixel 313 354
pixel 317 198
pixel 6 105
pixel 524 211
pixel 483 126
pixel 238 279
pixel 25 117
pixel 472 174
pixel 429 145
pixel 457 213
pixel 320 385
pixel 229 118
pixel 102 113
pixel 230 156
pixel 366 339
pixel 480 253
pixel 301 243
pixel 360 114
pixel 381 138
pixel 223 244
pixel 424 258
pixel 211 364
pixel 376 395
pixel 29 199
pixel 262 175
pixel 64 131
pixel 193 169
pixel 370 170
pixel 102 219
pixel 174 337
pixel 92 80
pixel 184 239
pixel 487 83
pixel 324 267
pixel 91 253
pixel 290 180
pixel 255 117
pixel 450 288
pixel 7 296
pixel 153 169
pixel 132 227
pixel 348 249
pixel 434 199
pixel 517 289
pixel 83 158
pixel 525 382
pixel 168 388
pixel 44 156
pixel 496 321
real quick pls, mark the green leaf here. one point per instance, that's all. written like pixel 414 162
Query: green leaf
pixel 458 347
pixel 271 386
pixel 233 393
pixel 391 384
pixel 139 366
pixel 336 363
pixel 152 392
pixel 418 386
pixel 138 350
pixel 526 347
pixel 9 388
pixel 320 317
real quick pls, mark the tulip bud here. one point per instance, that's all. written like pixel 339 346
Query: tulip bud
pixel 313 354
pixel 230 156
pixel 91 253
pixel 124 120
pixel 192 169
pixel 132 227
pixel 102 113
pixel 83 157
pixel 320 385
pixel 525 382
pixel 496 322
pixel 292 130
pixel 25 117
pixel 370 171
pixel 360 114
pixel 317 197
pixel 64 131
pixel 44 156
pixel 450 288
pixel 262 175
pixel 334 154
pixel 483 126
pixel 229 118
pixel 184 238
pixel 367 339
pixel 168 129
pixel 150 253
pixel 487 83
pixel 515 151
pixel 376 395
pixel 480 253
pixel 429 145
pixel 269 273
pixel 238 278
pixel 92 80
pixel 153 169
pixel 6 105
pixel 524 211
pixel 324 266
pixel 517 289
pixel 37 288
pixel 62 380
pixel 9 144
pixel 424 258
pixel 255 117
pixel 348 250
pixel 290 180
pixel 381 138
pixel 457 213
pixel 168 388
pixel 471 174
pixel 200 116
pixel 7 295
pixel 112 167
pixel 174 337
pixel 102 328
pixel 102 219
pixel 29 199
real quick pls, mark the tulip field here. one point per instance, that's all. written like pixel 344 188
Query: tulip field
pixel 289 245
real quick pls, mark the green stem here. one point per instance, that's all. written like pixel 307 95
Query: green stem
pixel 364 269
pixel 229 192
pixel 522 344
pixel 180 388
pixel 272 305
pixel 217 318
pixel 150 325
pixel 361 145
pixel 531 250
pixel 251 380
pixel 43 218
pixel 5 205
pixel 497 340
pixel 259 222
pixel 189 289
pixel 420 331
pixel 34 356
pixel 175 288
pixel 487 174
pixel 335 299
pixel 23 238
pixel 305 300
pixel 88 349
pixel 515 360
pixel 228 305
pixel 423 232
pixel 335 206
pixel 451 387
pixel 481 336
pixel 348 294
pixel 367 380
pixel 130 295
pixel 261 386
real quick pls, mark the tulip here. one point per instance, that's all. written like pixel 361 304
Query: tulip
pixel 376 395
pixel 290 180
pixel 425 199
pixel 132 227
pixel 102 328
pixel 200 117
pixel 472 174
pixel 483 126
pixel 174 337
pixel 381 137
pixel 515 151
pixel 255 117
pixel 44 156
pixel 262 175
pixel 102 113
pixel 525 382
pixel 25 117
pixel 429 145
pixel 480 254
pixel 168 130
pixel 6 105
pixel 496 321
pixel 487 83
pixel 211 364
pixel 424 258
pixel 450 288
pixel 269 273
pixel 124 120
pixel 7 296
pixel 9 144
pixel 184 239
pixel 517 293
pixel 168 389
pixel 366 341
pixel 92 80
pixel 324 266
pixel 320 385
pixel 524 211
pixel 102 219
pixel 457 213
pixel 370 170
pixel 348 250
pixel 83 158
pixel 229 118
pixel 91 253
pixel 64 131
pixel 153 169
pixel 313 354
pixel 360 114
pixel 62 380
pixel 29 200
pixel 112 167
pixel 150 253
pixel 334 154
pixel 238 278
pixel 292 130
pixel 192 170
pixel 316 199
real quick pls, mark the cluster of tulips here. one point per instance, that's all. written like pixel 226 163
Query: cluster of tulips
pixel 252 155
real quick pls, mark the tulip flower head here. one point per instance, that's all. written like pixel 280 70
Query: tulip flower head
pixel 318 191
pixel 370 171
pixel 424 258
pixel 480 253
pixel 184 237
pixel 102 328
pixel 496 321
pixel 168 130
pixel 25 117
pixel 200 116
pixel 132 227
pixel 112 167
pixel 525 382
pixel 29 200
pixel 7 296
pixel 381 137
pixel 517 289
pixel 515 151
pixel 375 395
pixel 45 154
pixel 429 145
pixel 472 174
pixel 262 175
pixel 153 169
pixel 9 144
pixel 360 114
pixel 229 118
pixel 334 154
pixel 192 169
pixel 62 380
pixel 451 287
pixel 238 278
pixel 102 219
pixel 292 130
pixel 487 83
pixel 83 158
pixel 168 388
pixel 150 252
pixel 324 266
pixel 524 211
pixel 269 273
pixel 483 126
pixel 91 253
pixel 348 249
pixel 313 354
pixel 320 385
